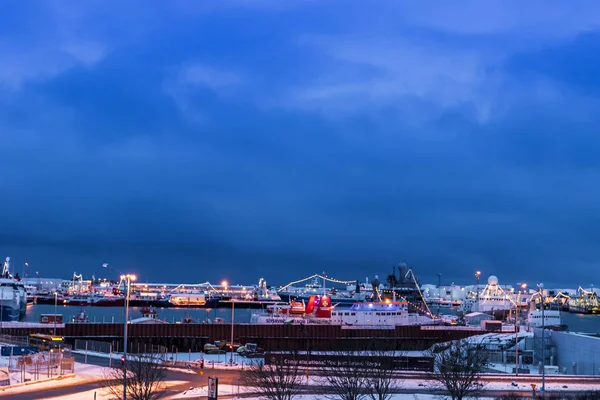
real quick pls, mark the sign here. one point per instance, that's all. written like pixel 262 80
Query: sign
pixel 213 388
pixel 329 361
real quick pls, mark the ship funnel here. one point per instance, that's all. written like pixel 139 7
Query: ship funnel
pixel 402 270
pixel 375 283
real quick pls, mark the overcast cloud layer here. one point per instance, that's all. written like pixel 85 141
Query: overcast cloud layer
pixel 194 141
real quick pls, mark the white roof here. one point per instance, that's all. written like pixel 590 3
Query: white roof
pixel 475 314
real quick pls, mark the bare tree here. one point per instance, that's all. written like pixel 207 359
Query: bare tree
pixel 145 378
pixel 381 382
pixel 274 379
pixel 457 368
pixel 347 378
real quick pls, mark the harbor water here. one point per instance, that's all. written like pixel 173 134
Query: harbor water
pixel 117 314
pixel 585 323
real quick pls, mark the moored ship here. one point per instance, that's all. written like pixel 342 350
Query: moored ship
pixel 317 287
pixel 97 300
pixel 493 299
pixel 363 315
pixel 13 296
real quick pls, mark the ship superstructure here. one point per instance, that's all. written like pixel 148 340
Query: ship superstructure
pixel 13 296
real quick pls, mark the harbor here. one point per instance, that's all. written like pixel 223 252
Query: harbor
pixel 400 297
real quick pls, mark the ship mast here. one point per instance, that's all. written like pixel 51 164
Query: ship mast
pixel 6 269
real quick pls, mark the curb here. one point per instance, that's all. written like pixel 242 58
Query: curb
pixel 18 385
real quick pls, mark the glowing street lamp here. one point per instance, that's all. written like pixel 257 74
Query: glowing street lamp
pixel 477 275
pixel 128 278
pixel 524 287
pixel 224 284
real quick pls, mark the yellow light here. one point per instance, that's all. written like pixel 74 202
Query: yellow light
pixel 224 283
pixel 387 301
pixel 132 277
pixel 524 285
pixel 478 273
pixel 122 276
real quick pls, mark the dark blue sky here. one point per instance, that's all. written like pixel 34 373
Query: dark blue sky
pixel 199 140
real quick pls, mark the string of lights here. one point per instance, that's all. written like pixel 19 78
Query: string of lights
pixel 318 276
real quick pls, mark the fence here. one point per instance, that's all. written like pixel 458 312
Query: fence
pixel 14 340
pixel 27 368
pixel 134 347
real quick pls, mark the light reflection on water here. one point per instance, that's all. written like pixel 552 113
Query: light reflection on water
pixel 117 314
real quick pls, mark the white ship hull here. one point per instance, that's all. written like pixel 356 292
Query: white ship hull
pixel 10 303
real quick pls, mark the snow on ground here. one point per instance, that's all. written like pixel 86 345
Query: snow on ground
pixel 98 394
pixel 412 385
pixel 216 361
pixel 202 391
pixel 83 373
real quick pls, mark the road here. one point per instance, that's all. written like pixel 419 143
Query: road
pixel 192 380
pixel 232 377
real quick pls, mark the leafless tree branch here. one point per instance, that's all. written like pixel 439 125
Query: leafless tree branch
pixel 145 378
pixel 457 368
pixel 279 379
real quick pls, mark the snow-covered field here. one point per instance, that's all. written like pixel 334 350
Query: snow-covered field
pixel 84 373
pixel 216 361
pixel 414 385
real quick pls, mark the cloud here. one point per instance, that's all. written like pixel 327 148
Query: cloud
pixel 394 70
pixel 281 141
pixel 208 77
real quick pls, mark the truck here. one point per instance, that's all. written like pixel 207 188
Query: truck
pixel 251 350
pixel 225 345
pixel 211 348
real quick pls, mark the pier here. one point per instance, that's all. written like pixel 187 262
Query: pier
pixel 192 337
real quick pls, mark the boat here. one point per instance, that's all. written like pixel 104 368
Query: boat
pixel 149 312
pixel 586 302
pixel 547 319
pixel 317 287
pixel 380 315
pixel 362 315
pixel 186 300
pixel 97 300
pixel 13 296
pixel 49 298
pixel 493 299
pixel 80 318
pixel 316 312
pixel 292 308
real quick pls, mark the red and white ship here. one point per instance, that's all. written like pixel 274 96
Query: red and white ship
pixel 316 312
pixel 367 315
pixel 293 308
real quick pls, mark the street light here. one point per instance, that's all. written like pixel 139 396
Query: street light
pixel 129 278
pixel 232 319
pixel 540 293
pixel 224 284
pixel 55 301
pixel 524 287
pixel 477 275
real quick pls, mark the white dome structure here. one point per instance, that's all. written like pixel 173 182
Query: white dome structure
pixel 492 280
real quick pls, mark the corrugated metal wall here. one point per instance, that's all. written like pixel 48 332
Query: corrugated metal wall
pixel 271 337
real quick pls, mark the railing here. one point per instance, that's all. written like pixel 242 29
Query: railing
pixel 34 367
pixel 450 328
pixel 113 347
pixel 14 340
pixel 15 324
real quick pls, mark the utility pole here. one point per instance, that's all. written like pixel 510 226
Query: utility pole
pixel 439 292
pixel 477 275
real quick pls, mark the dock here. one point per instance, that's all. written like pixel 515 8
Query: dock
pixel 192 337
